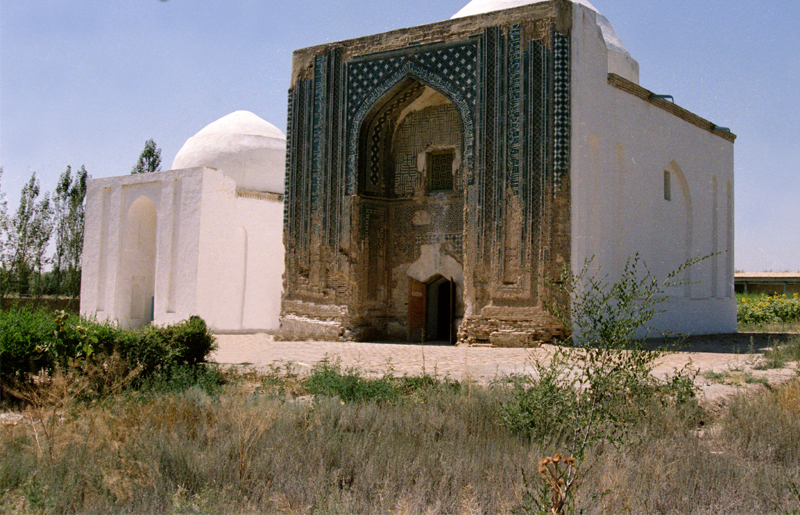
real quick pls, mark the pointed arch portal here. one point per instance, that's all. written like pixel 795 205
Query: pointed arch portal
pixel 414 154
pixel 137 275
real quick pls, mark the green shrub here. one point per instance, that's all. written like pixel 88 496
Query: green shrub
pixel 159 348
pixel 583 397
pixel 579 397
pixel 178 378
pixel 327 378
pixel 541 405
pixel 25 336
pixel 609 312
pixel 32 342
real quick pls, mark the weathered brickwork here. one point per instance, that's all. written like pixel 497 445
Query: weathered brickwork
pixel 374 124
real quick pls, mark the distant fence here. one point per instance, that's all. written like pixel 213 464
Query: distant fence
pixel 44 302
pixel 767 283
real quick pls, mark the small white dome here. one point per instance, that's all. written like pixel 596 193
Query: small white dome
pixel 246 148
pixel 619 60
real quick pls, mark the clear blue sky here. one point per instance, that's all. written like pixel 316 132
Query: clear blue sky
pixel 86 83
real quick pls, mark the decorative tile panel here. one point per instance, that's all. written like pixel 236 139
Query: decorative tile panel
pixel 290 153
pixel 379 135
pixel 318 131
pixel 438 124
pixel 451 69
pixel 492 42
pixel 514 109
pixel 561 109
pixel 537 137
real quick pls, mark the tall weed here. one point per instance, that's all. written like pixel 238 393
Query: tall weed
pixel 595 394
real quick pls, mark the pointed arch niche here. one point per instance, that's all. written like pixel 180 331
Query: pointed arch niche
pixel 411 142
pixel 678 197
pixel 137 273
pixel 411 185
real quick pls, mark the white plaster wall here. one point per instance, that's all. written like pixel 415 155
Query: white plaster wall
pixel 217 255
pixel 621 146
pixel 241 258
pixel 178 244
pixel 105 284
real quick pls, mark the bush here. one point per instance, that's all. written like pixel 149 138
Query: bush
pixel 609 312
pixel 327 378
pixel 24 337
pixel 596 393
pixel 580 397
pixel 158 348
pixel 35 342
pixel 586 397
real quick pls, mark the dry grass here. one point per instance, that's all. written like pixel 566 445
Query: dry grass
pixel 774 327
pixel 439 449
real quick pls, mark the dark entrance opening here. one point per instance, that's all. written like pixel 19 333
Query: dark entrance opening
pixel 437 319
pixel 431 310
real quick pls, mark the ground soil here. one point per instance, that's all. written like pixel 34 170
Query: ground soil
pixel 724 364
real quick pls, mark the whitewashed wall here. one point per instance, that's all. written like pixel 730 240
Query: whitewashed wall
pixel 213 254
pixel 239 276
pixel 621 147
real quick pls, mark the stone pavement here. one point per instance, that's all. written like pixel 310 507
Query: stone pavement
pixel 474 363
pixel 480 364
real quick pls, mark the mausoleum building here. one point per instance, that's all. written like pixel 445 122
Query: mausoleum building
pixel 204 238
pixel 434 174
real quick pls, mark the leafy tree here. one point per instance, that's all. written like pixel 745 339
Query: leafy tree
pixel 5 257
pixel 149 159
pixel 68 207
pixel 41 230
pixel 30 231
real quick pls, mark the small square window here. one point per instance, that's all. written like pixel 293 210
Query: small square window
pixel 667 186
pixel 440 171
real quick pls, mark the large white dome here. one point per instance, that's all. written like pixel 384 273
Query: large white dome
pixel 619 60
pixel 485 6
pixel 243 146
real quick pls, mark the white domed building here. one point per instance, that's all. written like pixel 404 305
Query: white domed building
pixel 204 238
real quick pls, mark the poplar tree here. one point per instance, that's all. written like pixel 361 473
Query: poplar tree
pixel 68 210
pixel 149 160
pixel 5 259
pixel 41 230
pixel 30 230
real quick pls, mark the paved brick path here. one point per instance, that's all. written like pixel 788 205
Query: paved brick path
pixel 476 363
pixel 479 364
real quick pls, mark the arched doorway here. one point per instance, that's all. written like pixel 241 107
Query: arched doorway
pixel 137 273
pixel 439 311
pixel 411 189
pixel 432 310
